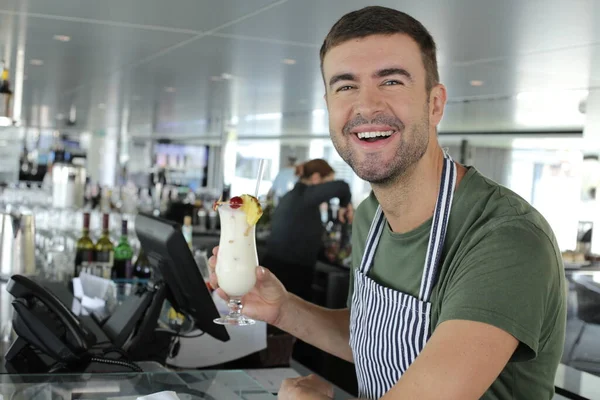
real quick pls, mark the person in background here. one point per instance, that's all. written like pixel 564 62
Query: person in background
pixel 284 181
pixel 297 229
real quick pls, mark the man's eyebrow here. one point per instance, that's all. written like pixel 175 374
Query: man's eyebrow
pixel 382 73
pixel 341 77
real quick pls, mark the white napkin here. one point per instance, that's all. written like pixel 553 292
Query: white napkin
pixel 165 395
pixel 92 304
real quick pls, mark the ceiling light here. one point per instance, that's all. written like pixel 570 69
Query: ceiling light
pixel 476 83
pixel 288 61
pixel 36 62
pixel 62 38
pixel 170 89
pixel 102 106
pixel 226 76
pixel 5 121
pixel 263 117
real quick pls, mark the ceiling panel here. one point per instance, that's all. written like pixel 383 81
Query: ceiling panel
pixel 465 30
pixel 529 112
pixel 194 15
pixel 148 61
pixel 206 80
pixel 93 54
pixel 545 71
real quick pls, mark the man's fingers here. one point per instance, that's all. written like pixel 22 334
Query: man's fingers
pixel 222 294
pixel 214 282
pixel 262 273
pixel 212 263
pixel 314 382
pixel 311 383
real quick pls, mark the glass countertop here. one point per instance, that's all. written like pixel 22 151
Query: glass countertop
pixel 208 385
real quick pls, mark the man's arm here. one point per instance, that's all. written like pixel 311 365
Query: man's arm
pixel 327 329
pixel 506 297
pixel 460 361
pixel 268 301
pixel 506 291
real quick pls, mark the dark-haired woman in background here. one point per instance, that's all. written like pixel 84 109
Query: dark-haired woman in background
pixel 297 229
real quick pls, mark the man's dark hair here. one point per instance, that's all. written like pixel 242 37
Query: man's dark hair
pixel 376 20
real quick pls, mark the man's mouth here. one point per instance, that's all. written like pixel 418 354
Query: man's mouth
pixel 374 136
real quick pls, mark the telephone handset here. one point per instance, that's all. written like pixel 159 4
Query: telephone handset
pixel 42 320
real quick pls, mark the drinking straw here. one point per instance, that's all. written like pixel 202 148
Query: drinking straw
pixel 261 171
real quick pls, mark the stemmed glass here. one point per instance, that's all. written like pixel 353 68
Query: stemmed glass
pixel 236 262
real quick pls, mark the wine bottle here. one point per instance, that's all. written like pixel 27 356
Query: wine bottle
pixel 105 249
pixel 142 269
pixel 123 255
pixel 84 250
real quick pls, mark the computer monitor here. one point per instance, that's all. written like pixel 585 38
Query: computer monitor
pixel 168 252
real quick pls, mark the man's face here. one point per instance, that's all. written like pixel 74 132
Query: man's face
pixel 378 105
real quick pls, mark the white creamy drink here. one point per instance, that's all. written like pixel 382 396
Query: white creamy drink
pixel 237 259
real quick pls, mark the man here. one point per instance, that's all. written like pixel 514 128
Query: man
pixel 458 288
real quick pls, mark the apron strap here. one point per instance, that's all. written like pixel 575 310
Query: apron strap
pixel 436 236
pixel 438 228
pixel 372 239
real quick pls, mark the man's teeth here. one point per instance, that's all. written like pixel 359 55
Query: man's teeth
pixel 366 135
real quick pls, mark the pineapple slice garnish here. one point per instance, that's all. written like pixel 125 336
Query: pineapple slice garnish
pixel 252 208
pixel 249 205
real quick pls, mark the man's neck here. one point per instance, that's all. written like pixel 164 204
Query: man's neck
pixel 411 201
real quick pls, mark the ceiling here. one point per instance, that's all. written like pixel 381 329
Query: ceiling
pixel 186 68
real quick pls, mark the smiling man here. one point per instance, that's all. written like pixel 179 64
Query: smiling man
pixel 458 289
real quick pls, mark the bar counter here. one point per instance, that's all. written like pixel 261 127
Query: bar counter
pixel 226 385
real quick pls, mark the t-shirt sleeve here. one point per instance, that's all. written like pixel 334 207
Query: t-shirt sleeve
pixel 360 229
pixel 509 279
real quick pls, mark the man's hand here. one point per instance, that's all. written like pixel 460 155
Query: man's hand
pixel 264 302
pixel 309 388
pixel 268 301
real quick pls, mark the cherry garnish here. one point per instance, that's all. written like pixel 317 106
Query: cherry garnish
pixel 236 202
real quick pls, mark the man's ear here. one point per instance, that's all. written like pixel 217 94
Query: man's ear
pixel 437 104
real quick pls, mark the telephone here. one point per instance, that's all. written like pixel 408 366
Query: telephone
pixel 41 320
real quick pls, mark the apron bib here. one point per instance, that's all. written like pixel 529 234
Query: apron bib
pixel 388 329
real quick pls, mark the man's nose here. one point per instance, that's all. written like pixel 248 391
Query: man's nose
pixel 369 103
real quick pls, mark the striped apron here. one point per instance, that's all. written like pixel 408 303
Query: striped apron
pixel 388 329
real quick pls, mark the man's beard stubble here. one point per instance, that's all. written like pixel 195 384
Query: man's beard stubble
pixel 371 168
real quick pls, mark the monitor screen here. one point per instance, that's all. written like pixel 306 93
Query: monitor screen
pixel 169 253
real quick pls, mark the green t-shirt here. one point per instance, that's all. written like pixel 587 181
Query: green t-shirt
pixel 500 265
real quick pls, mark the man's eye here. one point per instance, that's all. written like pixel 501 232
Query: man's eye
pixel 392 82
pixel 344 88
